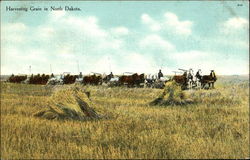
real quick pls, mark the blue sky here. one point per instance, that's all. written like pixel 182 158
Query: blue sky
pixel 130 36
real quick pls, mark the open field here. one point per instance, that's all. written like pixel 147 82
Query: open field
pixel 217 126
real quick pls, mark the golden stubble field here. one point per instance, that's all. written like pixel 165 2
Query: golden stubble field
pixel 217 126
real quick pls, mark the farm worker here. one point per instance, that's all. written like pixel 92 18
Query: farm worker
pixel 80 75
pixel 190 76
pixel 198 75
pixel 111 75
pixel 160 74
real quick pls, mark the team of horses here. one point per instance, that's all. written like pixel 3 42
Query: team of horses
pixel 187 80
pixel 17 79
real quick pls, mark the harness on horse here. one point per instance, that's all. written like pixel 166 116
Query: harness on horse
pixel 190 76
pixel 198 76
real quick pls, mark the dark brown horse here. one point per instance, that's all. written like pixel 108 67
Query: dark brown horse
pixel 92 80
pixel 208 79
pixel 181 79
pixel 132 80
pixel 69 79
pixel 38 79
pixel 16 79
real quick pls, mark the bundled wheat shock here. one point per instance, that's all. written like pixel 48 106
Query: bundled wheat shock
pixel 69 103
pixel 172 95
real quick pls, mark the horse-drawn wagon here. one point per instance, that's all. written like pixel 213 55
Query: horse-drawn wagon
pixel 188 81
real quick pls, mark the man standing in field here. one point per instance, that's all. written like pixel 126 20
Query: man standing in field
pixel 160 74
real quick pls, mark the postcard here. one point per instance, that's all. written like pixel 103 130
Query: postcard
pixel 124 79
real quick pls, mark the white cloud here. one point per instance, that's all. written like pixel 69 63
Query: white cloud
pixel 13 32
pixel 55 15
pixel 237 23
pixel 226 67
pixel 65 39
pixel 194 54
pixel 139 63
pixel 113 44
pixel 234 33
pixel 120 31
pixel 61 41
pixel 88 25
pixel 191 59
pixel 146 19
pixel 156 42
pixel 17 27
pixel 45 32
pixel 169 23
pixel 206 61
pixel 153 25
pixel 173 23
pixel 235 27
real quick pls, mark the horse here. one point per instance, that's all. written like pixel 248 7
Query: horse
pixel 107 78
pixel 181 79
pixel 208 79
pixel 149 82
pixel 190 80
pixel 70 79
pixel 198 78
pixel 132 80
pixel 92 80
pixel 38 79
pixel 16 79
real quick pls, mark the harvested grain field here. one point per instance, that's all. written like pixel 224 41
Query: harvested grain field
pixel 216 125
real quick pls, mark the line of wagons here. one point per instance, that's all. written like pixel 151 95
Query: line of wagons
pixel 186 80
